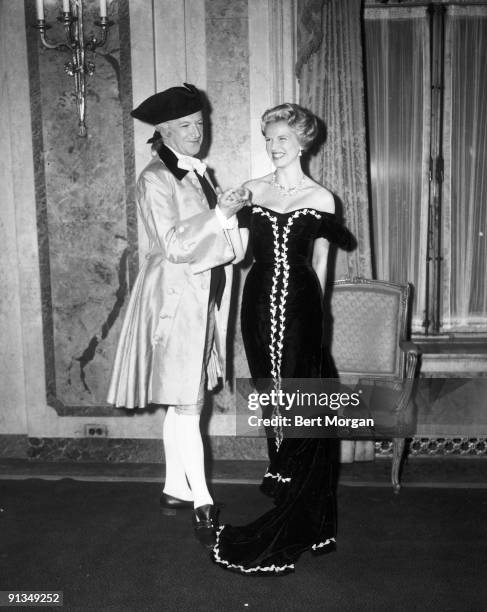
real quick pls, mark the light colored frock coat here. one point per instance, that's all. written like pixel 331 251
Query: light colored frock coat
pixel 161 347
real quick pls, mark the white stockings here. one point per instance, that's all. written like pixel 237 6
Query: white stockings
pixel 183 448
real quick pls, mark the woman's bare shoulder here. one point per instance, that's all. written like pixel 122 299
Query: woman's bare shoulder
pixel 321 199
pixel 260 182
pixel 258 185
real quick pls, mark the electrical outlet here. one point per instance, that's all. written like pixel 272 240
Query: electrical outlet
pixel 95 430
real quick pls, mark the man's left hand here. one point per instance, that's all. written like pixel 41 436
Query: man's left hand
pixel 232 200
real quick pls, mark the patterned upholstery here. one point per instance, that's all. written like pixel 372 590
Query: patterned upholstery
pixel 368 323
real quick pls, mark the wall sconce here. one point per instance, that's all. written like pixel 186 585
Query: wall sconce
pixel 77 67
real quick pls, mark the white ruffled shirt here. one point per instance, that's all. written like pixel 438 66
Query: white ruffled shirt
pixel 193 164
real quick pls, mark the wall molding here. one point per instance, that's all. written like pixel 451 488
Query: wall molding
pixel 146 450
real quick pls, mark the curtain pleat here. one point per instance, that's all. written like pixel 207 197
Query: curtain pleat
pixel 397 52
pixel 332 86
pixel 465 219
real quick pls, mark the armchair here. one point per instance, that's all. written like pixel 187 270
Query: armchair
pixel 370 350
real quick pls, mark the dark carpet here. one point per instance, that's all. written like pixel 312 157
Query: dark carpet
pixel 107 547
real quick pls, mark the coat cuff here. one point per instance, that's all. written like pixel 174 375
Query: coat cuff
pixel 226 223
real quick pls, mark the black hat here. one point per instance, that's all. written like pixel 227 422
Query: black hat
pixel 172 103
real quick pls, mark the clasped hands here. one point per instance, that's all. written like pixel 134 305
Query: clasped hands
pixel 232 200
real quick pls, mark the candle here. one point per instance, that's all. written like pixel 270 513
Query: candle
pixel 66 6
pixel 103 8
pixel 40 9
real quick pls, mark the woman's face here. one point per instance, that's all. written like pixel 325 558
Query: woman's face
pixel 281 143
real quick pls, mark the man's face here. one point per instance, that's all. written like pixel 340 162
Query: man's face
pixel 184 135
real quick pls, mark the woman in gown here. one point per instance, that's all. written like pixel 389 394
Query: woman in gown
pixel 290 224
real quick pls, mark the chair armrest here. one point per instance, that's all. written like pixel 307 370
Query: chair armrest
pixel 409 347
pixel 412 354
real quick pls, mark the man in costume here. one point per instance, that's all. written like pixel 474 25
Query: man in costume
pixel 172 343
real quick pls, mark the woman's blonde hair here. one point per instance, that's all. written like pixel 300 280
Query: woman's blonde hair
pixel 301 120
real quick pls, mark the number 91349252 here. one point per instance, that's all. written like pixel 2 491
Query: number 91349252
pixel 31 598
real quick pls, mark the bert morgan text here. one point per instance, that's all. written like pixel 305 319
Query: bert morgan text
pixel 300 421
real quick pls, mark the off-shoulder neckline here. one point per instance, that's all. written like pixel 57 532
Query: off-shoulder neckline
pixel 290 212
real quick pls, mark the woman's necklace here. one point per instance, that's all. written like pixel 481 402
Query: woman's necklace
pixel 287 191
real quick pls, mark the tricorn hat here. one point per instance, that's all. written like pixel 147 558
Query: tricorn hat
pixel 172 103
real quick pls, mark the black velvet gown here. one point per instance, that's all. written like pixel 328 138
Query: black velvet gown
pixel 282 329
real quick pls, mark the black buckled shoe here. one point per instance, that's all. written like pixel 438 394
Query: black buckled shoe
pixel 170 504
pixel 205 523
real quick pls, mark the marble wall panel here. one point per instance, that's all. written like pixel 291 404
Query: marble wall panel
pixel 223 9
pixel 86 211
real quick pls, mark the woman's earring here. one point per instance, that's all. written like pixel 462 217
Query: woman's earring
pixel 300 152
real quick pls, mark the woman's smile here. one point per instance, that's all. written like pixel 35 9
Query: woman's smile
pixel 281 143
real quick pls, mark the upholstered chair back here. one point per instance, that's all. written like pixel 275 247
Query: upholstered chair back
pixel 369 321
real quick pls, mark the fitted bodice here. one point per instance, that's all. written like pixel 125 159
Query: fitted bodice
pixel 278 237
pixel 283 236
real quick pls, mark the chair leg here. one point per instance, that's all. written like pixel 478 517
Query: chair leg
pixel 398 450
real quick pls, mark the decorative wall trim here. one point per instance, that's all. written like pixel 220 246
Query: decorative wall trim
pixel 121 450
pixel 456 446
pixel 41 202
pixel 14 446
pixel 126 100
pixel 131 450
